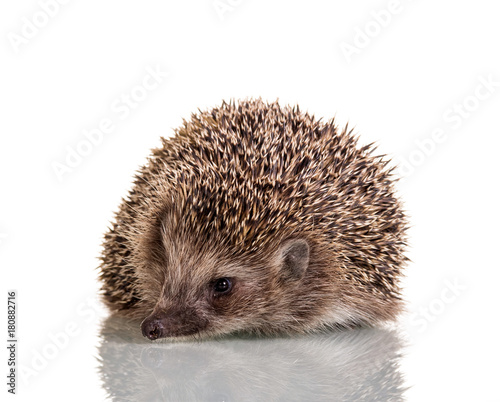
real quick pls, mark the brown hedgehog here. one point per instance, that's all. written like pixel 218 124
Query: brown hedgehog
pixel 259 218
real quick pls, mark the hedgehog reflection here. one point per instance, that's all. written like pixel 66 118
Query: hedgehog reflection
pixel 357 365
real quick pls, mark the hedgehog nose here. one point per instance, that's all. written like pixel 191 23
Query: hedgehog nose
pixel 152 328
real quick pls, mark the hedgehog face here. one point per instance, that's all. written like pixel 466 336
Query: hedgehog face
pixel 202 295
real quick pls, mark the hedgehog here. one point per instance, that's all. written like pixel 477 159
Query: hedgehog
pixel 257 218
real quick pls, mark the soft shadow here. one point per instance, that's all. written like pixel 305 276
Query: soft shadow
pixel 354 365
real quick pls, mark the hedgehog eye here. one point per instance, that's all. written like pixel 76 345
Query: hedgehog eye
pixel 222 286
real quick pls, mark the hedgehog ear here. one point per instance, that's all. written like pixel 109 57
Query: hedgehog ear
pixel 294 257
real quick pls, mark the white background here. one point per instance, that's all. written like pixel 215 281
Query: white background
pixel 409 75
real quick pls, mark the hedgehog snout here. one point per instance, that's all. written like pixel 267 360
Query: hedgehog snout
pixel 153 327
pixel 172 323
